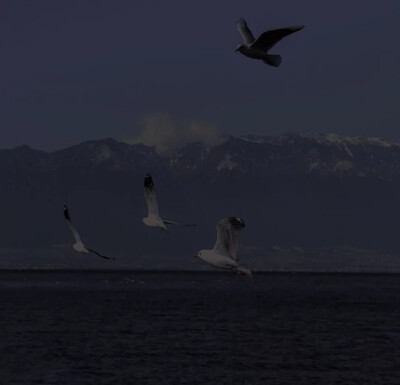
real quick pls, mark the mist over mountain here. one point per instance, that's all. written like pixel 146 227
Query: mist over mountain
pixel 310 191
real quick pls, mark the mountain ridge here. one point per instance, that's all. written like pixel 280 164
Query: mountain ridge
pixel 308 190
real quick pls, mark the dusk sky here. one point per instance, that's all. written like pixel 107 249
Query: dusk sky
pixel 82 70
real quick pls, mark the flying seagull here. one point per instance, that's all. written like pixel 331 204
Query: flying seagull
pixel 258 48
pixel 223 255
pixel 153 217
pixel 78 245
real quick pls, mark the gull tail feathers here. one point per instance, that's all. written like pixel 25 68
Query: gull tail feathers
pixel 273 60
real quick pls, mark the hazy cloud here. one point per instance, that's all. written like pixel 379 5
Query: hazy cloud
pixel 165 134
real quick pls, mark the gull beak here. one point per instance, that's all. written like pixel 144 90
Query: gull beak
pixel 237 49
pixel 195 255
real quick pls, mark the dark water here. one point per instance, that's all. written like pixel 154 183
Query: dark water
pixel 203 328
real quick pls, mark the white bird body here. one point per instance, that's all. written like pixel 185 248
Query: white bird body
pixel 218 260
pixel 258 48
pixel 153 218
pixel 223 255
pixel 80 248
pixel 155 221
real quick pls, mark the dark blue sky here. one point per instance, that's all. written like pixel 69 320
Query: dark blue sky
pixel 79 70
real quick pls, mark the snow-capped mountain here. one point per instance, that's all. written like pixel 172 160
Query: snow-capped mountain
pixel 305 190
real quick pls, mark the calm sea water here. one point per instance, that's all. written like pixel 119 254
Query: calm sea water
pixel 198 328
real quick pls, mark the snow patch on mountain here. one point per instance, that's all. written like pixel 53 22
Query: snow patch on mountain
pixel 342 142
pixel 344 166
pixel 226 163
pixel 312 166
pixel 380 142
pixel 104 154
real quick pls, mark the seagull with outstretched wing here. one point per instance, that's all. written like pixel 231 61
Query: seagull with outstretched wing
pixel 224 253
pixel 258 48
pixel 153 216
pixel 78 245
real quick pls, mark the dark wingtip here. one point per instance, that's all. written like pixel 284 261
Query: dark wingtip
pixel 237 222
pixel 148 182
pixel 66 213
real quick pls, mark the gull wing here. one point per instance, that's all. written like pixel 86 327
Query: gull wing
pixel 100 255
pixel 227 236
pixel 150 196
pixel 168 222
pixel 244 30
pixel 269 38
pixel 71 226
